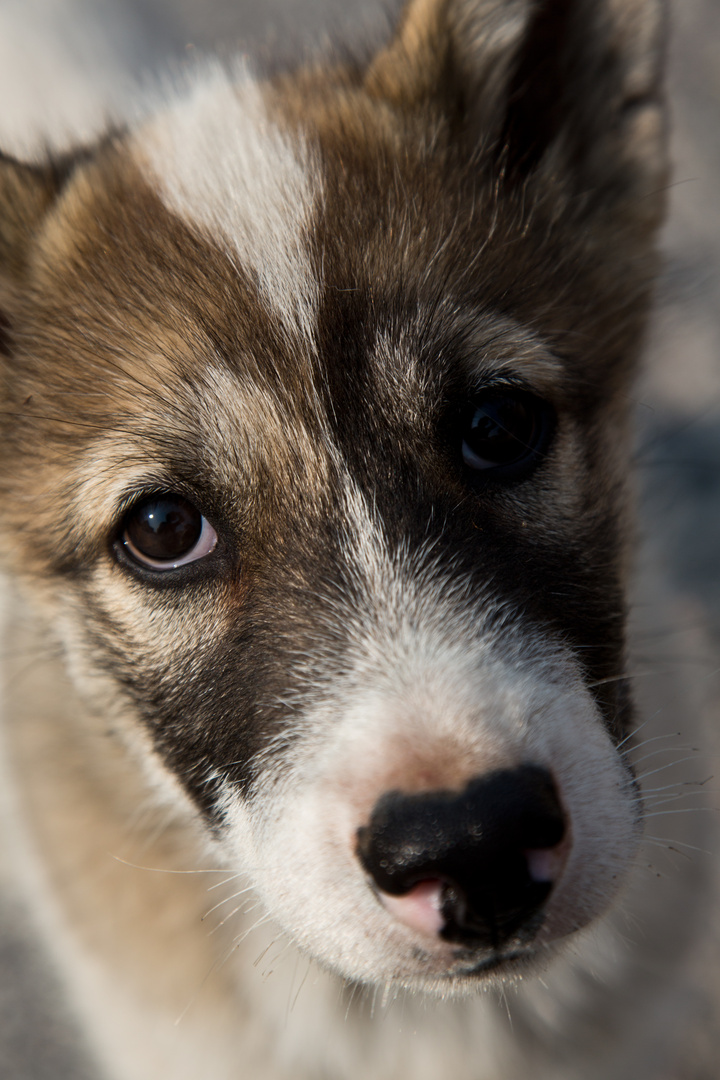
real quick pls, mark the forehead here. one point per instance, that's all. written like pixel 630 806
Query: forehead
pixel 224 230
pixel 309 186
pixel 229 260
pixel 342 221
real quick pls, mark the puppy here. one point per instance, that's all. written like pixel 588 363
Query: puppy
pixel 315 456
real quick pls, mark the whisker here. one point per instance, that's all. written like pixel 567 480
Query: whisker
pixel 646 742
pixel 677 784
pixel 226 881
pixel 217 964
pixel 265 951
pixel 668 668
pixel 636 731
pixel 229 916
pixel 271 970
pixel 166 870
pixel 351 998
pixel 670 799
pixel 241 937
pixel 302 983
pixel 226 900
pixel 506 1003
pixel 668 844
pixel 669 765
pixel 661 750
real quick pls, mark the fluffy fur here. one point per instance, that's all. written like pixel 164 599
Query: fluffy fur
pixel 274 299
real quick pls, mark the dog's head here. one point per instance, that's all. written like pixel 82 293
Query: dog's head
pixel 314 438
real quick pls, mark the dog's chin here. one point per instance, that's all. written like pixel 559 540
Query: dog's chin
pixel 464 975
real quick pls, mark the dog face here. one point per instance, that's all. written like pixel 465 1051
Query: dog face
pixel 315 448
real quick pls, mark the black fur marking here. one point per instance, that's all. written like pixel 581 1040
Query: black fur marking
pixel 5 336
pixel 559 584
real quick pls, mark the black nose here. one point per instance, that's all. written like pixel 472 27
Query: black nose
pixel 476 844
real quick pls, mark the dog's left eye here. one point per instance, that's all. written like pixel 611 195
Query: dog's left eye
pixel 505 433
pixel 166 531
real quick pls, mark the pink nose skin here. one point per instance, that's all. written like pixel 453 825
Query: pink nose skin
pixel 546 864
pixel 420 909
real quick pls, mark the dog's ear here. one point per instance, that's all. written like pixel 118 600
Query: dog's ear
pixel 28 193
pixel 565 92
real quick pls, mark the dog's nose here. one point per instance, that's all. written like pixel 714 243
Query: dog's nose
pixel 486 858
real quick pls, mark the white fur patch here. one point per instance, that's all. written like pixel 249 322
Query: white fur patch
pixel 222 164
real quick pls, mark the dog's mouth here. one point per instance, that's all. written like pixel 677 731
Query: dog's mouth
pixel 511 963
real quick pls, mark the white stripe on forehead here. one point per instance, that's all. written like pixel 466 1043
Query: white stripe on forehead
pixel 223 165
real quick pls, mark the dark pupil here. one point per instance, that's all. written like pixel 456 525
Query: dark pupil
pixel 164 528
pixel 502 430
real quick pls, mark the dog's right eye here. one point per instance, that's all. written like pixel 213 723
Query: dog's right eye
pixel 505 433
pixel 166 531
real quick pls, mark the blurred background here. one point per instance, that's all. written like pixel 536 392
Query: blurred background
pixel 66 65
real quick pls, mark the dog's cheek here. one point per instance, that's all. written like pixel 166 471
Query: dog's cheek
pixel 158 648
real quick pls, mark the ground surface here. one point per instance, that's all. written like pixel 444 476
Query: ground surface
pixel 67 56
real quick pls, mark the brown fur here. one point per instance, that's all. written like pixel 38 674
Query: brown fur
pixel 491 188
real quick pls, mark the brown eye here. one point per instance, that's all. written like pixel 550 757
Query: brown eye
pixel 166 531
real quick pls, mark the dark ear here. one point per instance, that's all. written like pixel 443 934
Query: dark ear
pixel 26 194
pixel 568 89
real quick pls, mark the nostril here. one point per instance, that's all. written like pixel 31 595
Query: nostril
pixel 421 908
pixel 545 864
pixel 475 866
